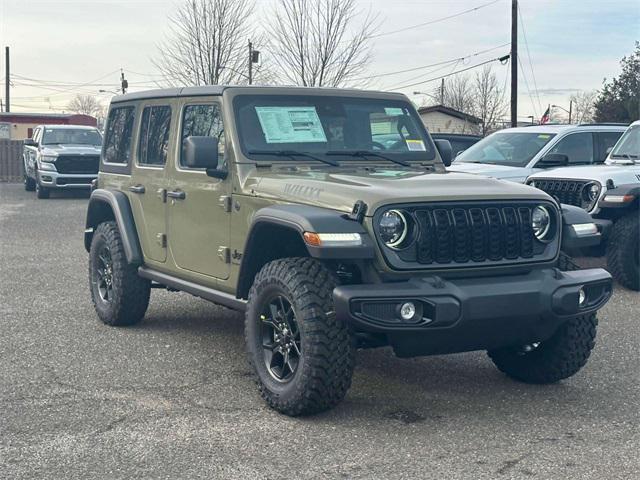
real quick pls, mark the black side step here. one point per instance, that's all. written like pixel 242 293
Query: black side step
pixel 207 293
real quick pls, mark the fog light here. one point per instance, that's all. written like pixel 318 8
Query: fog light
pixel 407 310
pixel 582 297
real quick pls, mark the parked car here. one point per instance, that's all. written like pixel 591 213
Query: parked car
pixel 278 202
pixel 459 141
pixel 515 153
pixel 61 157
pixel 609 192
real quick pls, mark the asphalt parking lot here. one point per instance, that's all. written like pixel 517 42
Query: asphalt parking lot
pixel 173 398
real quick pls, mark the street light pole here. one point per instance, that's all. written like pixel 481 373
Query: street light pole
pixel 250 62
pixel 514 63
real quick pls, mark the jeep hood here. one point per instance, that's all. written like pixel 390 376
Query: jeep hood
pixel 515 174
pixel 70 149
pixel 620 174
pixel 339 190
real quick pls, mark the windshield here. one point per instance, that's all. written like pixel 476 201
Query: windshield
pixel 327 126
pixel 506 148
pixel 628 147
pixel 77 136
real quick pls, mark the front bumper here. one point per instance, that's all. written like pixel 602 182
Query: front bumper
pixel 472 314
pixel 64 180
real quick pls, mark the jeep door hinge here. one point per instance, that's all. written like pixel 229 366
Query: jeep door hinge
pixel 225 202
pixel 162 194
pixel 224 254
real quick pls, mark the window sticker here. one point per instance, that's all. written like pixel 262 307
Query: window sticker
pixel 393 112
pixel 415 145
pixel 543 136
pixel 290 124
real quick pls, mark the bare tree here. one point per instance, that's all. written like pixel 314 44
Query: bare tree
pixel 315 42
pixel 85 104
pixel 458 93
pixel 490 104
pixel 584 106
pixel 207 43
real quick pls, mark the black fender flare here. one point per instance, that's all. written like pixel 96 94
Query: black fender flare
pixel 631 190
pixel 301 219
pixel 572 215
pixel 103 201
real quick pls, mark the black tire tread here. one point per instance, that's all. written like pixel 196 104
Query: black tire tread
pixel 131 300
pixel 329 350
pixel 623 240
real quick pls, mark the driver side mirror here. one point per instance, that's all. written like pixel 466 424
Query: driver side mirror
pixel 553 160
pixel 202 152
pixel 30 142
pixel 445 151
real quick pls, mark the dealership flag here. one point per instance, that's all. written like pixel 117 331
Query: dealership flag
pixel 546 116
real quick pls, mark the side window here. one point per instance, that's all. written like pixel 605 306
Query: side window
pixel 577 146
pixel 203 121
pixel 117 140
pixel 605 141
pixel 154 135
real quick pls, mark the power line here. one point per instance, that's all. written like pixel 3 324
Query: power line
pixel 526 83
pixel 449 74
pixel 526 44
pixel 437 20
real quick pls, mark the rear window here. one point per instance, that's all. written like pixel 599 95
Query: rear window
pixel 117 142
pixel 154 136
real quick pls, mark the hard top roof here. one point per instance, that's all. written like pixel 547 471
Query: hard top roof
pixel 213 90
pixel 560 128
pixel 69 126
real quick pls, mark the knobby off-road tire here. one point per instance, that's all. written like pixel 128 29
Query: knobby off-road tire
pixel 556 358
pixel 29 184
pixel 623 251
pixel 327 351
pixel 42 192
pixel 119 295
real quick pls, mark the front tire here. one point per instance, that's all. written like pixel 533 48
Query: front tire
pixel 623 251
pixel 29 184
pixel 42 192
pixel 554 359
pixel 302 355
pixel 119 295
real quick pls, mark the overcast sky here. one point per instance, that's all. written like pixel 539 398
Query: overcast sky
pixel 573 44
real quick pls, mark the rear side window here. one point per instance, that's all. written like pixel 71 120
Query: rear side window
pixel 577 146
pixel 154 135
pixel 605 142
pixel 117 142
pixel 202 121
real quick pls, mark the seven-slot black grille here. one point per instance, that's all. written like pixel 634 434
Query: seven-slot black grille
pixel 77 164
pixel 473 234
pixel 565 191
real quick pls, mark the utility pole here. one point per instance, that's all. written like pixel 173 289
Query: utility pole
pixel 254 57
pixel 123 82
pixel 442 92
pixel 514 63
pixel 570 110
pixel 7 72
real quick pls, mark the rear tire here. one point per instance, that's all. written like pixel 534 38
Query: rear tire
pixel 554 359
pixel 623 251
pixel 119 295
pixel 310 370
pixel 29 184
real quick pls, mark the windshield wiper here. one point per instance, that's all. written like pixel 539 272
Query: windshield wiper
pixel 625 155
pixel 365 153
pixel 293 154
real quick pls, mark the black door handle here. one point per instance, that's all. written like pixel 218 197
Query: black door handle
pixel 177 194
pixel 136 188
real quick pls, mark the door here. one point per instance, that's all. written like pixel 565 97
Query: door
pixel 149 182
pixel 30 154
pixel 198 217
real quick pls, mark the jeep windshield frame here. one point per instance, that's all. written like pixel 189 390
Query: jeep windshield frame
pixel 627 148
pixel 325 125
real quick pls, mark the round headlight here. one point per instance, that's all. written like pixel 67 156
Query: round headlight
pixel 540 222
pixel 393 228
pixel 590 192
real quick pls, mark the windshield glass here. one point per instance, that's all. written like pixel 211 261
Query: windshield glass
pixel 77 136
pixel 268 124
pixel 628 147
pixel 506 148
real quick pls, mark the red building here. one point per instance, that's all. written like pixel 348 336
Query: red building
pixel 18 126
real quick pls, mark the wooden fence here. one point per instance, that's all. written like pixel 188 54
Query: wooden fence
pixel 11 167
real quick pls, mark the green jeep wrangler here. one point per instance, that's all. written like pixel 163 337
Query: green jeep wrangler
pixel 328 218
